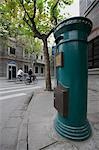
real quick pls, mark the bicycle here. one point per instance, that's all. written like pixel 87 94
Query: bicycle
pixel 33 79
pixel 19 79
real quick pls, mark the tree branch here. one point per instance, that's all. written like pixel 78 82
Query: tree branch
pixel 55 18
pixel 56 4
pixel 50 32
pixel 36 32
pixel 27 21
pixel 34 9
pixel 21 2
pixel 33 27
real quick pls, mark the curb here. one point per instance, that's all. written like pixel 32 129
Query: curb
pixel 94 71
pixel 22 142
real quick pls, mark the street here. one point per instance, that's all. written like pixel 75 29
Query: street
pixel 14 100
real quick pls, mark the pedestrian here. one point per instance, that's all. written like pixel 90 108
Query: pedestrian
pixel 30 74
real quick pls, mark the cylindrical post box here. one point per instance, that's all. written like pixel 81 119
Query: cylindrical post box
pixel 72 74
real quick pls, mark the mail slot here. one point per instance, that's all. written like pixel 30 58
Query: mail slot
pixel 61 100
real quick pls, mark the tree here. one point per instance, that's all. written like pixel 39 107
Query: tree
pixel 24 36
pixel 29 44
pixel 41 16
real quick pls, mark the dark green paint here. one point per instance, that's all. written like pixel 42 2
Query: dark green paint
pixel 74 76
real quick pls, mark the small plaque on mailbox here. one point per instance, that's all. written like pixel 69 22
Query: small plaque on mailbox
pixel 59 59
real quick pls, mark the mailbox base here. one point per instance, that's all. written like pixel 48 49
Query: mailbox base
pixel 74 133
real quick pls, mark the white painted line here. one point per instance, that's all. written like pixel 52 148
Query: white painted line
pixel 12 87
pixel 24 89
pixel 11 96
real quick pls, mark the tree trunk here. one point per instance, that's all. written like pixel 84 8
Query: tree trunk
pixel 47 66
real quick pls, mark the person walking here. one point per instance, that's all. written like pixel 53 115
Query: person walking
pixel 30 74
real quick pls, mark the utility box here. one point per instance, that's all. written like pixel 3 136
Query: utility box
pixel 70 94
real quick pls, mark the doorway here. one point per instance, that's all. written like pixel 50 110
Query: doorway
pixel 11 72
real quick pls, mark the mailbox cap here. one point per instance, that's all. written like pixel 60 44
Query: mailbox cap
pixel 74 23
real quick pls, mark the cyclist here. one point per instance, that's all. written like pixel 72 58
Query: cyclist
pixel 20 73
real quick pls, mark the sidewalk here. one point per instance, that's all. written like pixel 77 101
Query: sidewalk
pixel 39 119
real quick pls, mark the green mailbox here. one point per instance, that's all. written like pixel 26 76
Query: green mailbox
pixel 70 95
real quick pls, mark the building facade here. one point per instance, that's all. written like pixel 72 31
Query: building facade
pixel 39 64
pixel 90 9
pixel 13 57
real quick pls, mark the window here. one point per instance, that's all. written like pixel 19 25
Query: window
pixel 41 57
pixel 36 69
pixel 25 53
pixel 11 50
pixel 42 70
pixel 25 69
pixel 36 56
